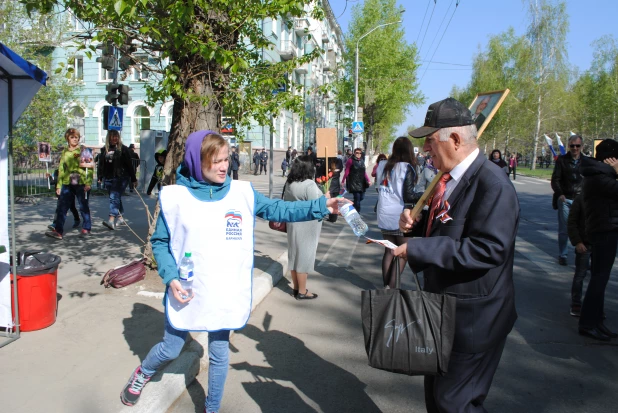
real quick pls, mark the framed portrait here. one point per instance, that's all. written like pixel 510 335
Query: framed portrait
pixel 484 106
pixel 86 160
pixel 44 151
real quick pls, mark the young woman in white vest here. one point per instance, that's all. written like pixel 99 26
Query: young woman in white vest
pixel 211 216
pixel 396 181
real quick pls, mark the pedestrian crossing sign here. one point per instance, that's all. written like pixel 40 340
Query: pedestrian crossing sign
pixel 114 118
pixel 358 127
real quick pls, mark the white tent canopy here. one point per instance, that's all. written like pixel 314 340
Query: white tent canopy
pixel 20 80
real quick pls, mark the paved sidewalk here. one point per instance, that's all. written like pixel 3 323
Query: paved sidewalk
pixel 80 363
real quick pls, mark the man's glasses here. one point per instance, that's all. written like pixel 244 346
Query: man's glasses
pixel 357 153
pixel 574 146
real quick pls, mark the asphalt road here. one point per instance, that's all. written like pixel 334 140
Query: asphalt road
pixel 309 356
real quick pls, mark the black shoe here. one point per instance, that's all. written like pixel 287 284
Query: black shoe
pixel 295 293
pixel 576 310
pixel 562 261
pixel 593 333
pixel 306 296
pixel 603 329
pixel 133 389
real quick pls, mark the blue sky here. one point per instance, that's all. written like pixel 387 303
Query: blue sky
pixel 472 24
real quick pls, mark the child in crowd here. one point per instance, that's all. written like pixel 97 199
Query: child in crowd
pixel 284 166
pixel 157 175
pixel 73 182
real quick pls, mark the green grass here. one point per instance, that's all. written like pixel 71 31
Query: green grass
pixel 544 173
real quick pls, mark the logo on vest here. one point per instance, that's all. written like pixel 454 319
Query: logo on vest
pixel 233 225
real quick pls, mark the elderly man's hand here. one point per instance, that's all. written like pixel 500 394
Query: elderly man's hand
pixel 402 251
pixel 406 223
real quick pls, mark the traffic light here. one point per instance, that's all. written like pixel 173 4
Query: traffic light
pixel 108 62
pixel 112 93
pixel 349 133
pixel 123 97
pixel 125 62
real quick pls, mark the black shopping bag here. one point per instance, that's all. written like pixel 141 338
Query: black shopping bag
pixel 408 332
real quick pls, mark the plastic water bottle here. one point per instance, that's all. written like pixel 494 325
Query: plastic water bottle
pixel 186 275
pixel 353 218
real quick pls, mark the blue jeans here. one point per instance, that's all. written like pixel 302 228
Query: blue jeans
pixel 563 217
pixel 68 193
pixel 218 356
pixel 115 188
pixel 358 197
pixel 582 262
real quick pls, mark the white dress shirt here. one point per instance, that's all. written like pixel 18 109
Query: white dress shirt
pixel 458 171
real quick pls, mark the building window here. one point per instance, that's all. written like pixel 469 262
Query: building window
pixel 141 121
pixel 105 75
pixel 77 120
pixel 168 118
pixel 78 68
pixel 140 70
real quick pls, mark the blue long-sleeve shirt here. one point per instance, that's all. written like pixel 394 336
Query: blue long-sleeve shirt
pixel 266 208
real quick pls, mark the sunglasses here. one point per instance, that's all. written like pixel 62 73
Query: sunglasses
pixel 574 146
pixel 357 153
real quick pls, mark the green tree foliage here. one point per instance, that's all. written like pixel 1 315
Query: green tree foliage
pixel 387 70
pixel 596 92
pixel 33 37
pixel 535 69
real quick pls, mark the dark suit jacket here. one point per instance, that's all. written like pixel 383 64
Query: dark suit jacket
pixel 471 257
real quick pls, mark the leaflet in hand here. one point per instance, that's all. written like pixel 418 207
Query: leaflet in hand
pixel 383 242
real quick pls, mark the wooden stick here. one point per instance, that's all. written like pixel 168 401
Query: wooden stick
pixel 426 195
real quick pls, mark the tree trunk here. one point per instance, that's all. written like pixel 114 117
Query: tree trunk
pixel 537 131
pixel 188 117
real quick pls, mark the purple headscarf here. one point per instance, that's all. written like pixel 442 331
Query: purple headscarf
pixel 193 148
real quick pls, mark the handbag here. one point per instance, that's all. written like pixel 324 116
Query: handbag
pixel 406 331
pixel 279 226
pixel 125 274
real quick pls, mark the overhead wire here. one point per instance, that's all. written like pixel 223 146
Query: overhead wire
pixel 420 30
pixel 435 2
pixel 445 29
pixel 439 28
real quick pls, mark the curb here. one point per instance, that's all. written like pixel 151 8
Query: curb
pixel 174 378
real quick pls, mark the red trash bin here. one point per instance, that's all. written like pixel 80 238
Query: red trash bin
pixel 37 281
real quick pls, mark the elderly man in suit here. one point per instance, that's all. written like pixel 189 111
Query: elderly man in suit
pixel 467 252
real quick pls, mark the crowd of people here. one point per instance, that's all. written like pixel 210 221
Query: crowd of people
pixel 463 241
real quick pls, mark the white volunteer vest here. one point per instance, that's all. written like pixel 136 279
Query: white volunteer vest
pixel 390 201
pixel 219 235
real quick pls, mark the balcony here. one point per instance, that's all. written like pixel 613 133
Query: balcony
pixel 288 50
pixel 327 67
pixel 302 70
pixel 325 38
pixel 301 27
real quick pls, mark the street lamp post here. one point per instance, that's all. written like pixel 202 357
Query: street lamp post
pixel 356 76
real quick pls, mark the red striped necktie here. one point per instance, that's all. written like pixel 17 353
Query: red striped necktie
pixel 436 200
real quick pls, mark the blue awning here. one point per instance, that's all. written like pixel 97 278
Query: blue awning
pixel 26 80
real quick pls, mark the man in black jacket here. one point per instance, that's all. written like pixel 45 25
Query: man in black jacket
pixel 566 182
pixel 263 161
pixel 467 252
pixel 600 192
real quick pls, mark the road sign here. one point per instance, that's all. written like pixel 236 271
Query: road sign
pixel 115 118
pixel 358 127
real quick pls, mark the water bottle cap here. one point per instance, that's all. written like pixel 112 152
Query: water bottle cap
pixel 188 254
